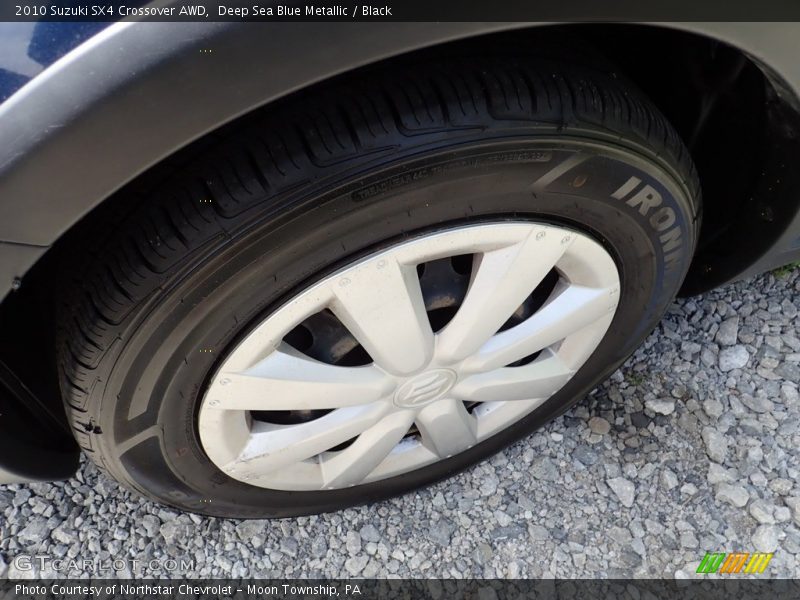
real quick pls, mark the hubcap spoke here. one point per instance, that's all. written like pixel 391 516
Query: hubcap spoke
pixel 381 304
pixel 447 428
pixel 289 380
pixel 567 312
pixel 501 281
pixel 352 465
pixel 539 379
pixel 275 447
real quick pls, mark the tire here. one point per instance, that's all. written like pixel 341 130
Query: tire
pixel 256 214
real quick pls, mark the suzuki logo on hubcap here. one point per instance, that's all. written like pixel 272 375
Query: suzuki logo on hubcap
pixel 424 388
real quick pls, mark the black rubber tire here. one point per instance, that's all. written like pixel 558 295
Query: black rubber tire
pixel 256 212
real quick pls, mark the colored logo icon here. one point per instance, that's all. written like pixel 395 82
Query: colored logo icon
pixel 734 562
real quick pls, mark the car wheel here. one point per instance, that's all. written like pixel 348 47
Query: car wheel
pixel 360 291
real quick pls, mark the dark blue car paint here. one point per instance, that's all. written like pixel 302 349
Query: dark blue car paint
pixel 26 49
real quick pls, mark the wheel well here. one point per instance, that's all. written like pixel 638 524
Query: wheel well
pixel 721 102
pixel 738 119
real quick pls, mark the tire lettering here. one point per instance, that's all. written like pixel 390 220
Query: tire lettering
pixel 671 240
pixel 672 260
pixel 645 199
pixel 662 220
pixel 626 188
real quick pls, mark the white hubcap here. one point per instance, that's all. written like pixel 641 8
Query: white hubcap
pixel 426 395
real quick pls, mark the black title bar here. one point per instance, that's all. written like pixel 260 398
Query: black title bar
pixel 401 10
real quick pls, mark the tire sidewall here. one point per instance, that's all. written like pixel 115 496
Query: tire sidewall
pixel 182 331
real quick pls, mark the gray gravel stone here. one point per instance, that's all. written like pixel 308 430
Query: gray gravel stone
pixel 34 531
pixel 757 404
pixel 668 479
pixel 369 533
pixel 732 358
pixel 761 512
pixel 735 495
pixel 661 407
pixel 21 497
pixel 353 542
pixel 584 454
pixel 356 564
pixel 64 535
pixel 544 468
pixel 599 425
pixel 728 332
pixel 624 490
pixel 290 546
pixel 246 530
pixel 789 371
pixel 716 444
pixel 151 525
pixel 765 539
pixel 441 532
pixel 713 408
pixel 319 547
pixel 794 505
pixel 781 514
pixel 539 533
pixel 688 540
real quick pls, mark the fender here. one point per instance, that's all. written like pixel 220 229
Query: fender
pixel 136 92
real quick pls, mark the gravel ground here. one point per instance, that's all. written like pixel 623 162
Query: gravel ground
pixel 691 447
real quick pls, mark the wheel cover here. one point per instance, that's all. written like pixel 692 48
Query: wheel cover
pixel 424 396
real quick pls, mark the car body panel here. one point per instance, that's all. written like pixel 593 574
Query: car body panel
pixel 129 96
